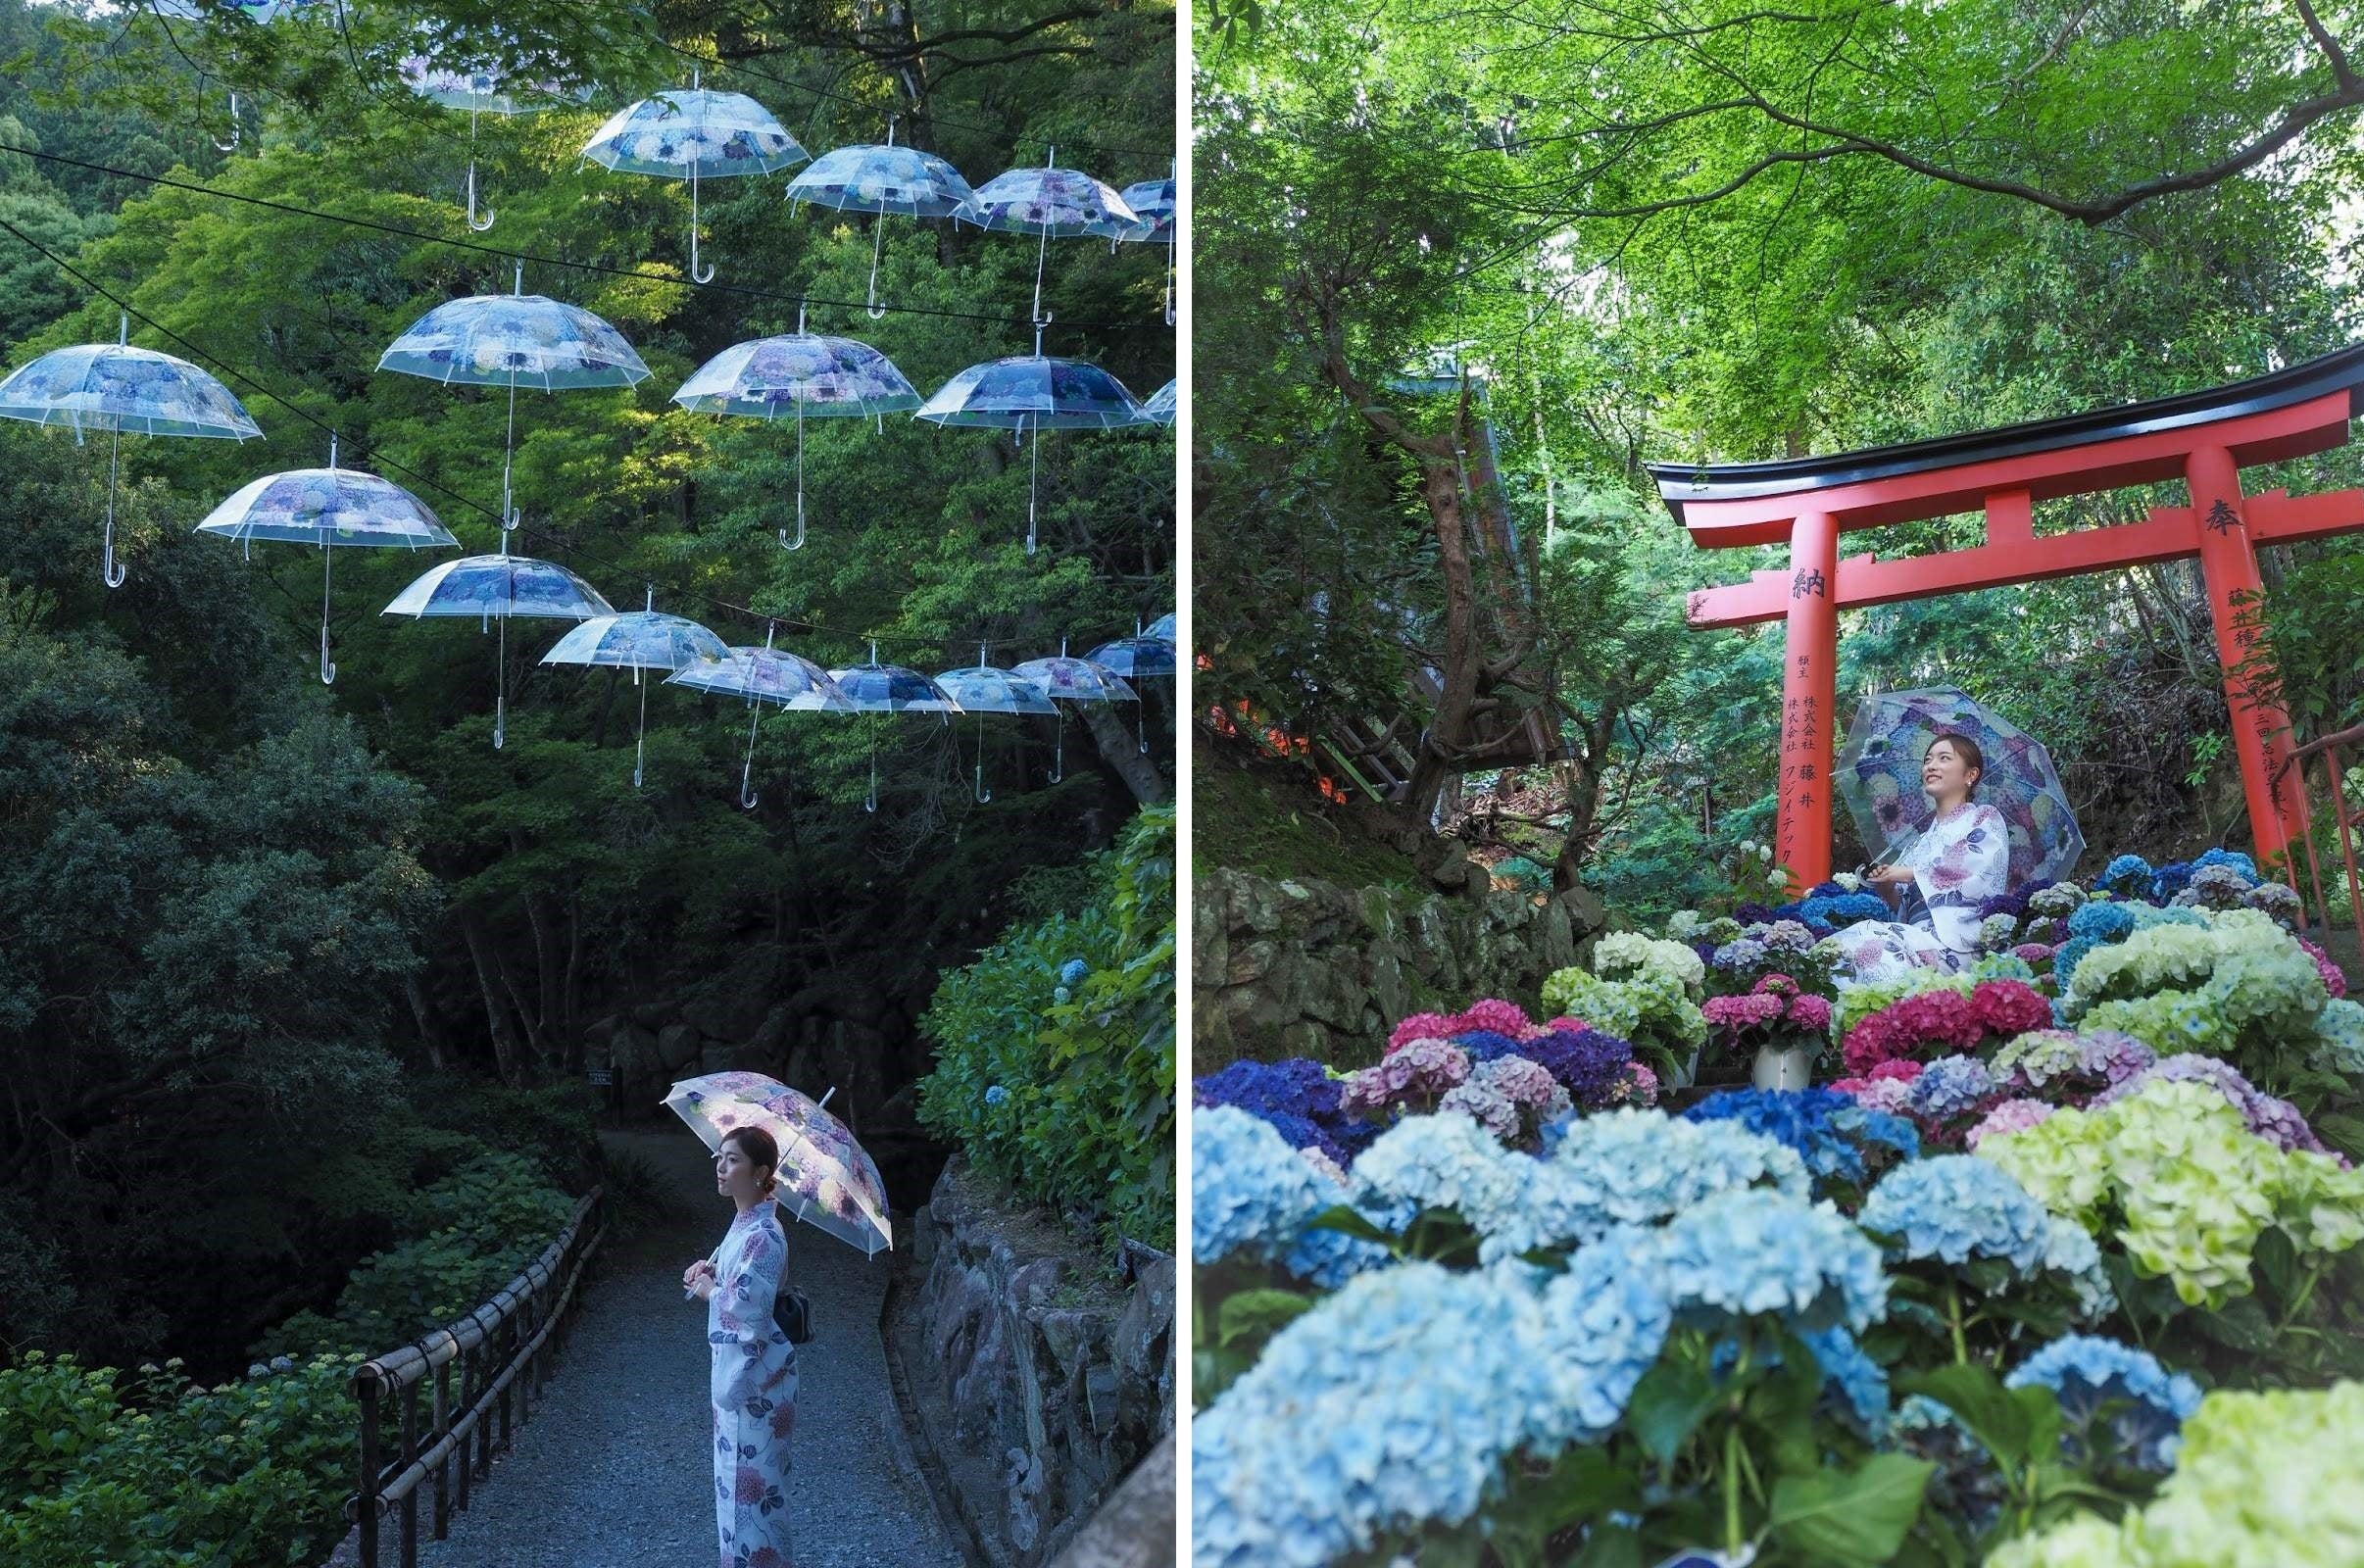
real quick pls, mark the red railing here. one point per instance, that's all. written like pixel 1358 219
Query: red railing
pixel 2343 823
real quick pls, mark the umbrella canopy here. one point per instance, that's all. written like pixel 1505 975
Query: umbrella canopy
pixel 1050 201
pixel 328 507
pixel 480 87
pixel 252 10
pixel 513 340
pixel 1135 656
pixel 116 387
pixel 1160 405
pixel 827 1179
pixel 1162 628
pixel 1879 778
pixel 872 178
pixel 1034 392
pixel 1152 205
pixel 640 640
pixel 876 688
pixel 113 386
pixel 1075 680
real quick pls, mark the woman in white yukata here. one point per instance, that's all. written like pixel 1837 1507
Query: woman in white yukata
pixel 753 1383
pixel 1960 862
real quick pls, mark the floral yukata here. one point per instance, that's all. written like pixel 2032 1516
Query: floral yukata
pixel 754 1390
pixel 1958 863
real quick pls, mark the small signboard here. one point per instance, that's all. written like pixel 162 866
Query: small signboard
pixel 601 1077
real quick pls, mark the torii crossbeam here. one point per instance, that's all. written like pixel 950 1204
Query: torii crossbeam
pixel 2203 438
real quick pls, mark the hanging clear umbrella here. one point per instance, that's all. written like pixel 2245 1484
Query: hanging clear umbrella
pixel 1879 778
pixel 876 688
pixel 764 675
pixel 982 689
pixel 1030 392
pixel 1162 628
pixel 1160 405
pixel 480 87
pixel 870 179
pixel 255 11
pixel 497 588
pixel 641 640
pixel 1152 205
pixel 1048 201
pixel 1135 657
pixel 328 507
pixel 1073 680
pixel 694 134
pixel 823 377
pixel 511 340
pixel 116 387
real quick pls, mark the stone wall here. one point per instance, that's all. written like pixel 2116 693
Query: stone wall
pixel 1300 967
pixel 1038 1382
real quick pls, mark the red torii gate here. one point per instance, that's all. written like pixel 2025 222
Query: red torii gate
pixel 2203 439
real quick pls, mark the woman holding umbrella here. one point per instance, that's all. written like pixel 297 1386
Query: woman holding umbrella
pixel 1961 860
pixel 753 1383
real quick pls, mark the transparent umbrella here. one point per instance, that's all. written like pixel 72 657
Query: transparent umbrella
pixel 815 377
pixel 511 340
pixel 641 640
pixel 1160 405
pixel 1135 657
pixel 765 676
pixel 1073 680
pixel 827 1179
pixel 1152 205
pixel 982 689
pixel 480 87
pixel 882 180
pixel 1879 778
pixel 114 387
pixel 876 688
pixel 1033 392
pixel 694 134
pixel 255 11
pixel 500 587
pixel 1049 201
pixel 328 507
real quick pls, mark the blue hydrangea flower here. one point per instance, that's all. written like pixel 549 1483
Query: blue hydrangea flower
pixel 1249 1194
pixel 2226 858
pixel 1296 1096
pixel 1604 1322
pixel 1956 1208
pixel 2126 874
pixel 1746 1253
pixel 2071 952
pixel 2086 1372
pixel 2170 879
pixel 1061 994
pixel 1825 1127
pixel 2071 1253
pixel 1443 1163
pixel 1484 1045
pixel 1391 1404
pixel 1741 952
pixel 2102 922
pixel 1951 1086
pixel 1861 1382
pixel 996 1094
pixel 1636 1167
pixel 1072 973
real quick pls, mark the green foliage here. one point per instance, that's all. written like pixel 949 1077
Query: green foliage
pixel 1083 1117
pixel 151 1471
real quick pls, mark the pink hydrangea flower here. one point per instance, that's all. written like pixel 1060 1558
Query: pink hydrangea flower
pixel 1495 1014
pixel 1891 1095
pixel 1742 1013
pixel 1809 1013
pixel 2033 952
pixel 1420 1026
pixel 1902 1072
pixel 1638 1087
pixel 2011 1117
pixel 1778 985
pixel 2333 980
pixel 1564 1025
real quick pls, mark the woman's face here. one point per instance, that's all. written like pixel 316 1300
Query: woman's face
pixel 1944 775
pixel 736 1177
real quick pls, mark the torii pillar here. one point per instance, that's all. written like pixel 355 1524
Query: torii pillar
pixel 2202 439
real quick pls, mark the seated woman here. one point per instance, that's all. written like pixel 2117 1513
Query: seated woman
pixel 1961 860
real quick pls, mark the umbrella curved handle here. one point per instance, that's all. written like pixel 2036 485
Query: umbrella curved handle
pixel 798 543
pixel 327 667
pixel 983 795
pixel 489 214
pixel 117 574
pixel 695 274
pixel 747 795
pixel 236 131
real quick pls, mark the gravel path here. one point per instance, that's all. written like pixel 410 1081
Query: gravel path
pixel 612 1471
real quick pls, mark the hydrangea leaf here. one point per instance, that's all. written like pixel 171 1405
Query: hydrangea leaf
pixel 1850 1518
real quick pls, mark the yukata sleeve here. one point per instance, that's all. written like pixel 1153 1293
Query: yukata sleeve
pixel 744 1326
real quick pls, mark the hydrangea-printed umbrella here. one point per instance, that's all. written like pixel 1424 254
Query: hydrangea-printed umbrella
pixel 1162 628
pixel 116 387
pixel 882 180
pixel 498 588
pixel 1049 201
pixel 823 377
pixel 481 87
pixel 827 1179
pixel 1160 405
pixel 764 675
pixel 876 688
pixel 328 507
pixel 1880 777
pixel 1073 680
pixel 1031 392
pixel 1136 658
pixel 982 689
pixel 684 135
pixel 511 340
pixel 640 640
pixel 1152 205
